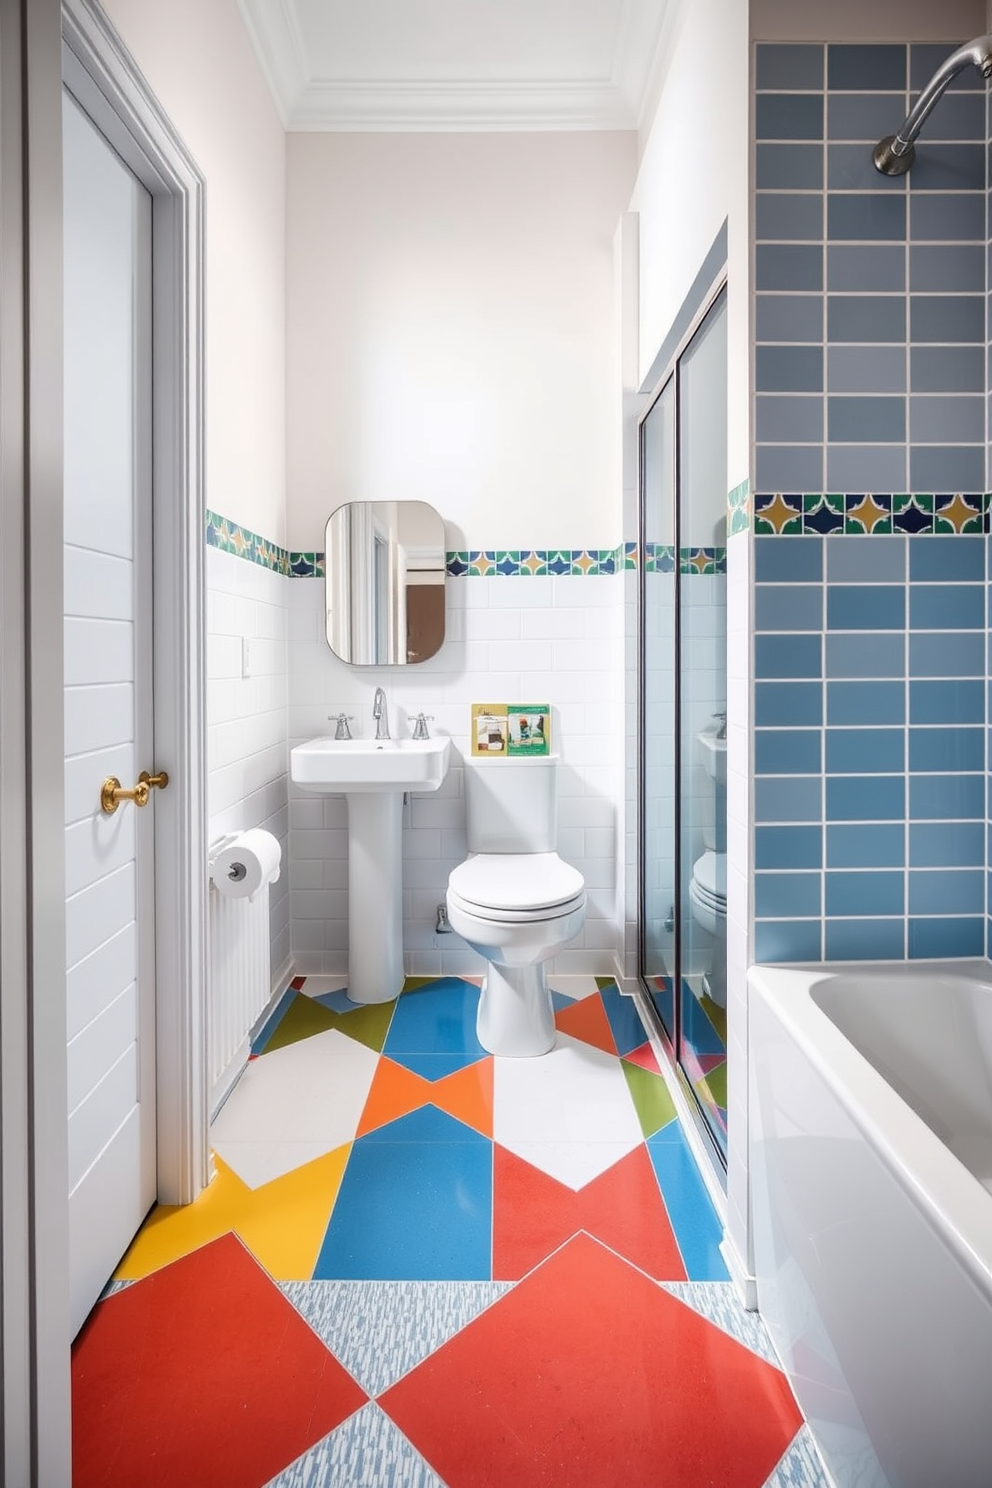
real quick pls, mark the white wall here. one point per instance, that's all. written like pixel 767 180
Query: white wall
pixel 199 62
pixel 450 331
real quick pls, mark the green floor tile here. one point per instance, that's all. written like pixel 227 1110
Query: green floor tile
pixel 304 1017
pixel 649 1093
pixel 713 1089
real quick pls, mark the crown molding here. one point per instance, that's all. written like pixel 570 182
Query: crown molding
pixel 280 49
pixel 644 25
pixel 385 105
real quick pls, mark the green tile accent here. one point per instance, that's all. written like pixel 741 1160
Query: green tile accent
pixel 821 514
pixel 649 1093
pixel 305 1016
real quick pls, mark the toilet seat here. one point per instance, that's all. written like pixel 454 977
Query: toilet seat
pixel 709 873
pixel 516 887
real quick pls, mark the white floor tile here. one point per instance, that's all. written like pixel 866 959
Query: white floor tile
pixel 317 986
pixel 575 987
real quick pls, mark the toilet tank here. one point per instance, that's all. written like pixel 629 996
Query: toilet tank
pixel 512 804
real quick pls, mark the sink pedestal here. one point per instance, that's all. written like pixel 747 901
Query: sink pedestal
pixel 375 895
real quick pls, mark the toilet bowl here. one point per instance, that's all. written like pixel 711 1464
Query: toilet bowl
pixel 708 897
pixel 514 900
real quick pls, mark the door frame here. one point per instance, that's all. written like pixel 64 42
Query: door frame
pixel 101 76
pixel 40 41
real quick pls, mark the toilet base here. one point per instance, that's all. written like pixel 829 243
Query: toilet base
pixel 516 1017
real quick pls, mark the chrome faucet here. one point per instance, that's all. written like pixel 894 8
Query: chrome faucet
pixel 420 729
pixel 341 722
pixel 379 714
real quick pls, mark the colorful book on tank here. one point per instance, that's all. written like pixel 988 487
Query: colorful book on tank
pixel 508 729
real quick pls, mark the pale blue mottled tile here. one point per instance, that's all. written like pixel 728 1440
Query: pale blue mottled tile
pixel 719 1304
pixel 801 1466
pixel 367 1451
pixel 380 1330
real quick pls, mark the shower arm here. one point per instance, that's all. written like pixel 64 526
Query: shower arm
pixel 894 155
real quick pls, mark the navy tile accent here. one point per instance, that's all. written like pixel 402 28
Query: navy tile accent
pixel 946 267
pixel 864 940
pixel 864 266
pixel 860 217
pixel 786 656
pixel 789 467
pixel 788 607
pixel 957 217
pixel 778 66
pixel 959 701
pixel 786 895
pixel 865 798
pixel 946 749
pixel 866 420
pixel 783 266
pixel 865 607
pixel 946 797
pixel 947 607
pixel 863 893
pixel 881 845
pixel 866 369
pixel 779 418
pixel 947 467
pixel 787 752
pixel 865 655
pixel 947 656
pixel 790 215
pixel 788 369
pixel 948 937
pixel 789 563
pixel 946 845
pixel 956 167
pixel 788 847
pixel 851 168
pixel 789 317
pixel 946 318
pixel 788 116
pixel 866 467
pixel 784 704
pixel 789 167
pixel 865 751
pixel 788 799
pixel 960 560
pixel 788 940
pixel 862 559
pixel 865 703
pixel 924 59
pixel 861 116
pixel 866 318
pixel 947 369
pixel 877 69
pixel 955 419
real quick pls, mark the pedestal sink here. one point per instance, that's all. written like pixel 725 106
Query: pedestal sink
pixel 372 775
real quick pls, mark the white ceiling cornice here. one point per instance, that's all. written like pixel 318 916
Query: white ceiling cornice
pixel 313 96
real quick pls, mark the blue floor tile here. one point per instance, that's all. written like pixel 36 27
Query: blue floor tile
pixel 415 1204
pixel 694 1220
pixel 625 1023
pixel 436 1019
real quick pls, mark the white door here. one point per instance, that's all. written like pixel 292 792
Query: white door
pixel 108 705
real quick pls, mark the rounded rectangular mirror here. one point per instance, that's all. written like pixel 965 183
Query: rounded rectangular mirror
pixel 384 566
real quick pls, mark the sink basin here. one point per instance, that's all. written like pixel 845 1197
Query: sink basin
pixel 350 766
pixel 714 755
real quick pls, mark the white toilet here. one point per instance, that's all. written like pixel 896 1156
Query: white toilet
pixel 708 897
pixel 513 899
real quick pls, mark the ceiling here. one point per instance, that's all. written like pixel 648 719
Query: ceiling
pixel 459 64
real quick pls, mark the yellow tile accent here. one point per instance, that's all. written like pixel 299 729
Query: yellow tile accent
pixel 282 1223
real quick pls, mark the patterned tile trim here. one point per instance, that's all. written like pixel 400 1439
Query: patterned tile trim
pixel 494 563
pixel 232 538
pixel 739 509
pixel 779 514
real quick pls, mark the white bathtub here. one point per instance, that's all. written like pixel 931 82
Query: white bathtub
pixel 870 1133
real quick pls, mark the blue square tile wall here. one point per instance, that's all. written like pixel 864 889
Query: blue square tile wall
pixel 870 746
pixel 870 303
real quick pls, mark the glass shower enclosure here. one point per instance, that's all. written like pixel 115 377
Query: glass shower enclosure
pixel 682 723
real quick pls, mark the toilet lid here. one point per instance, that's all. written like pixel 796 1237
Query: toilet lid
pixel 710 873
pixel 516 881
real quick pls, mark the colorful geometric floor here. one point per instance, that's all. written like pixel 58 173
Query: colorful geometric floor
pixel 422 1267
pixel 703 1033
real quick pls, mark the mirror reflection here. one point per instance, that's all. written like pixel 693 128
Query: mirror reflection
pixel 385 582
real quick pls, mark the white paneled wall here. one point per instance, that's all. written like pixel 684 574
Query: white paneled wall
pixel 556 640
pixel 247 695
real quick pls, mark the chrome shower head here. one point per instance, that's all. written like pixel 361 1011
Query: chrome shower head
pixel 894 154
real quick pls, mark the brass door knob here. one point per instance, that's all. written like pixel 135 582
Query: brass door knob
pixel 112 793
pixel 154 782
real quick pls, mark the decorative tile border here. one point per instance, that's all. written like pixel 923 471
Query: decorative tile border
pixel 537 562
pixel 739 509
pixel 779 514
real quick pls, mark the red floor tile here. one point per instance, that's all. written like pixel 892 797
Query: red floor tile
pixel 201 1374
pixel 625 1386
pixel 534 1214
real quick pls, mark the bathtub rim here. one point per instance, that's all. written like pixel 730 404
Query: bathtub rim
pixel 950 1198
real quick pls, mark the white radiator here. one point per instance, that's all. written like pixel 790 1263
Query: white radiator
pixel 239 984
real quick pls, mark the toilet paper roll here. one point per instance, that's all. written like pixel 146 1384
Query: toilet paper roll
pixel 246 863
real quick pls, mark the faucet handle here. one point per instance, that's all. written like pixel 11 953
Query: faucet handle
pixel 342 731
pixel 420 729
